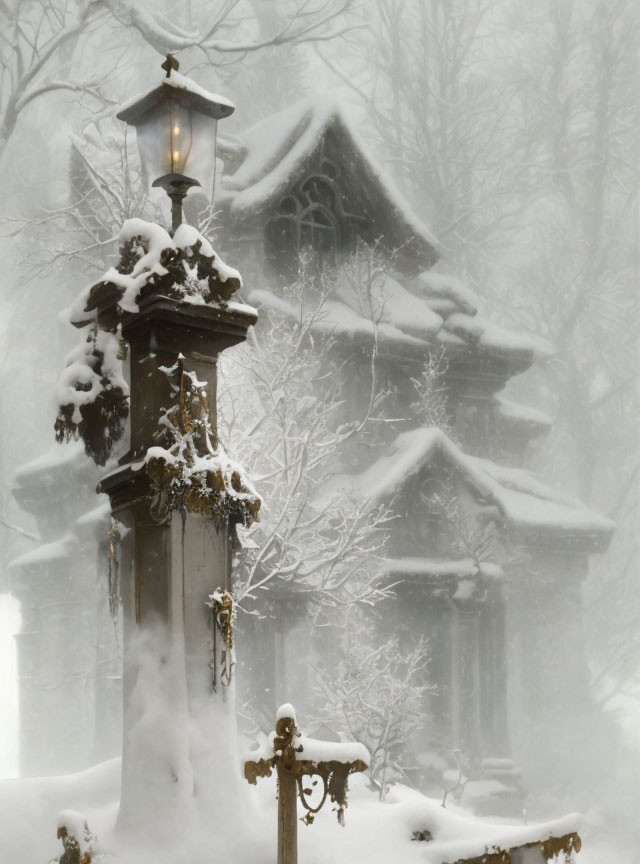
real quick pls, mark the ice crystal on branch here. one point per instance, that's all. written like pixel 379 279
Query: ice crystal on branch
pixel 374 696
pixel 430 406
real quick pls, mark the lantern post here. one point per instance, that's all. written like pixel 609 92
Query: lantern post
pixel 175 495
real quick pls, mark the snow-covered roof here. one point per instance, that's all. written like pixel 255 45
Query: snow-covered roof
pixel 522 417
pixel 55 475
pixel 279 151
pixel 51 462
pixel 458 307
pixel 267 163
pixel 57 472
pixel 44 554
pixel 97 516
pixel 446 293
pixel 341 321
pixel 529 507
pixel 409 320
pixel 376 832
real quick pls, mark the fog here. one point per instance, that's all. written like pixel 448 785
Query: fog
pixel 438 405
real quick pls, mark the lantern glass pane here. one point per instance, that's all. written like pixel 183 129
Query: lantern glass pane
pixel 202 157
pixel 175 139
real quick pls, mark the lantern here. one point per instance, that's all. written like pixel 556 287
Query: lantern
pixel 176 125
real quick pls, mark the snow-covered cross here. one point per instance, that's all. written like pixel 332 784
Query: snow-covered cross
pixel 295 757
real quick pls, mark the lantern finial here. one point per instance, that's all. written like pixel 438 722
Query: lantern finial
pixel 169 64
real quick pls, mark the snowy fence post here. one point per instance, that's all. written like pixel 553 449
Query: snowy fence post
pixel 295 757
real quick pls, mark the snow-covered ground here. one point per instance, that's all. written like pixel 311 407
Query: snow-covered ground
pixel 375 832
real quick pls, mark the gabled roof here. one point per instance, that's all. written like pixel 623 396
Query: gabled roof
pixel 529 507
pixel 419 306
pixel 278 152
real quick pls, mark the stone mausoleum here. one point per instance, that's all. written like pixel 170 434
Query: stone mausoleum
pixel 503 616
pixel 502 613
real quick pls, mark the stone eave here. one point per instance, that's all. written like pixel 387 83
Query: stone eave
pixel 42 557
pixel 521 420
pixel 462 568
pixel 466 361
pixel 126 484
pixel 455 581
pixel 591 541
pixel 228 323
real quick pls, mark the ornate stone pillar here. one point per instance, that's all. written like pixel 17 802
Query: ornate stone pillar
pixel 175 497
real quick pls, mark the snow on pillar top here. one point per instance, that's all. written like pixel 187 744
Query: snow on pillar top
pixel 184 268
pixel 170 300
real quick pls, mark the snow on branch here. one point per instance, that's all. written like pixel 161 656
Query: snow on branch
pixel 41 34
pixel 374 696
pixel 284 411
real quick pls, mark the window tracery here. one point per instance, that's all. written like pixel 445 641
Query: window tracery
pixel 313 216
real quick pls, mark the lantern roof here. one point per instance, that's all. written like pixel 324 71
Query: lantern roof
pixel 176 88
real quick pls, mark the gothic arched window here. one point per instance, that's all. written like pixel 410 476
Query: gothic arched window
pixel 312 217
